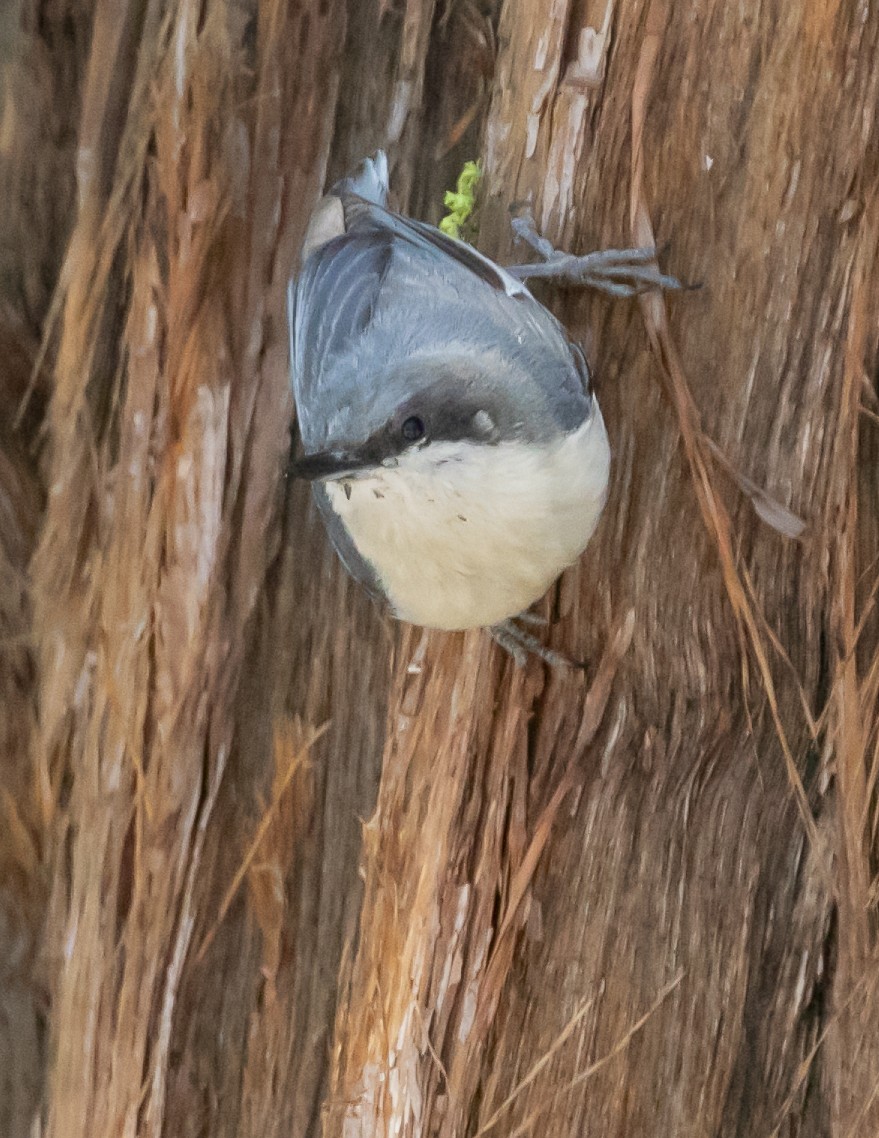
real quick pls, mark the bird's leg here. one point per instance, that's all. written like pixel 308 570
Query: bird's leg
pixel 532 618
pixel 518 642
pixel 618 272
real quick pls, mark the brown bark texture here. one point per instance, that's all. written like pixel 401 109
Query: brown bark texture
pixel 272 865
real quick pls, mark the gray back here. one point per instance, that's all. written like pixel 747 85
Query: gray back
pixel 370 305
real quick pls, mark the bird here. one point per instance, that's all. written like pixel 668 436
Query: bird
pixel 456 450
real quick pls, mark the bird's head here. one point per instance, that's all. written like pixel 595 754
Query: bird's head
pixel 426 405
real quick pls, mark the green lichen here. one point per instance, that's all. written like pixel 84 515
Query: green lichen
pixel 461 201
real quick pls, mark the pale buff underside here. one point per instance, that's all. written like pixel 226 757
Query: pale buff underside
pixel 463 536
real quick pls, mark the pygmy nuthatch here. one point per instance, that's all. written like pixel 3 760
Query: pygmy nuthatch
pixel 455 449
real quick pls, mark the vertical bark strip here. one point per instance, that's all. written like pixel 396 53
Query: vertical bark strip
pixel 168 427
pixel 25 798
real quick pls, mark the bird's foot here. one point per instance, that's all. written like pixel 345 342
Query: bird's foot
pixel 618 272
pixel 532 618
pixel 518 642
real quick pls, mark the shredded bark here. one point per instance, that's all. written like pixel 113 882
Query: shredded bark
pixel 271 864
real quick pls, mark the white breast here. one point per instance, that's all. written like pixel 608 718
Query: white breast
pixel 463 535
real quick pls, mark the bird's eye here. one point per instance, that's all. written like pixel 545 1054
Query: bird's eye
pixel 413 429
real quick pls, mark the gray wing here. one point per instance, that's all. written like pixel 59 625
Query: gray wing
pixel 330 308
pixel 366 216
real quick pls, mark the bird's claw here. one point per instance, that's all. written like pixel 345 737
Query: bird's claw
pixel 518 642
pixel 618 272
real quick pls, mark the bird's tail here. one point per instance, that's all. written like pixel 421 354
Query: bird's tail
pixel 369 181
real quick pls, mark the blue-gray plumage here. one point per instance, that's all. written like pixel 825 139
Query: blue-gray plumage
pixel 457 454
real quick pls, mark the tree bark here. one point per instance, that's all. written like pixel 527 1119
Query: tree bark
pixel 307 871
pixel 25 798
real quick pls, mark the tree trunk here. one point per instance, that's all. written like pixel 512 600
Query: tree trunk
pixel 299 870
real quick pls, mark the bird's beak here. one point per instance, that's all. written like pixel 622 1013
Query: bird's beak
pixel 329 465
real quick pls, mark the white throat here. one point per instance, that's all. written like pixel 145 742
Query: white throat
pixel 462 535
